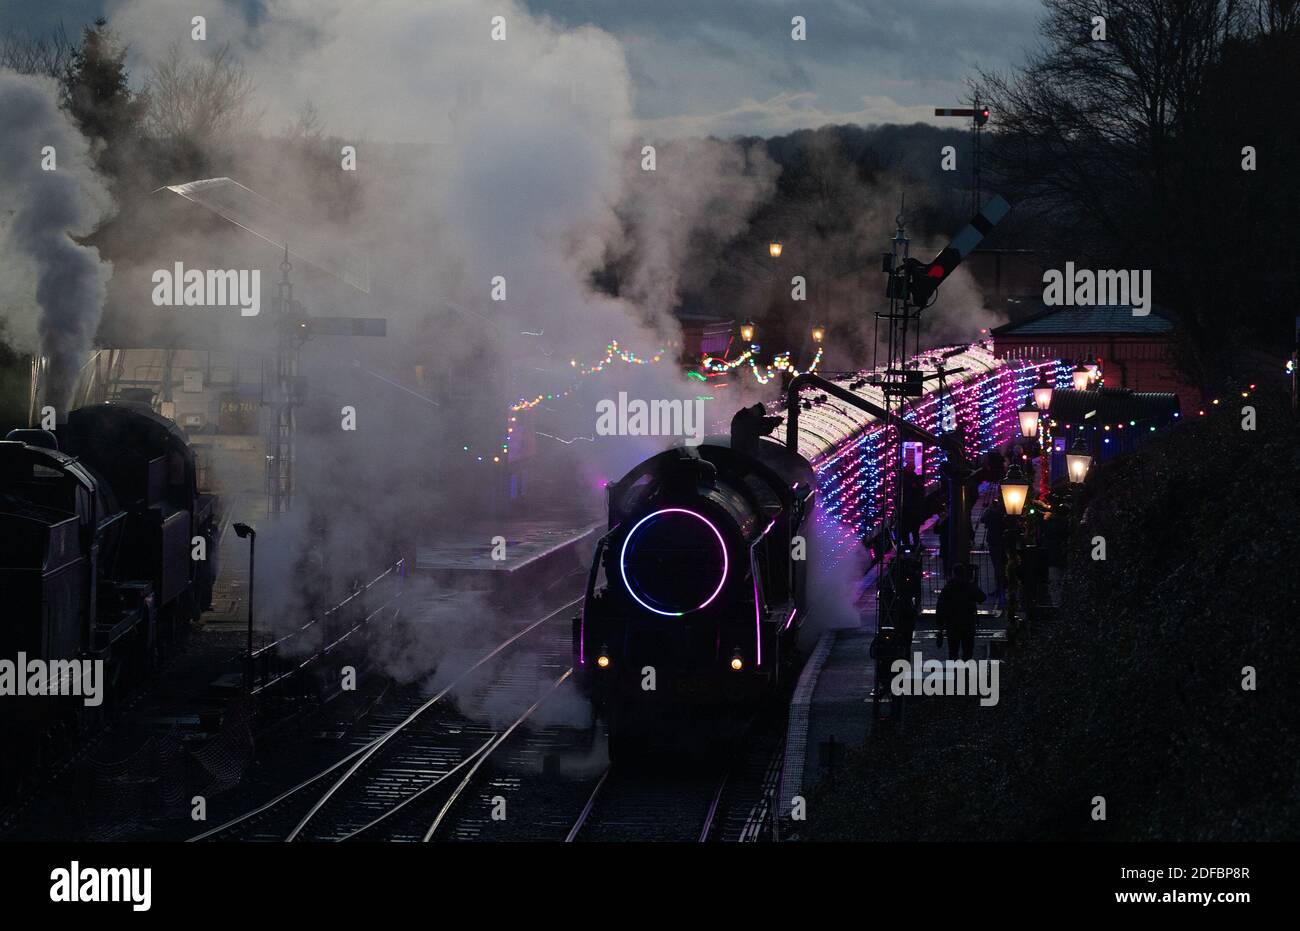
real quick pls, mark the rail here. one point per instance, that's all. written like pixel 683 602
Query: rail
pixel 627 804
pixel 347 768
pixel 274 665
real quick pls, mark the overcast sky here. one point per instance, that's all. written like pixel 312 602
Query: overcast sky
pixel 730 66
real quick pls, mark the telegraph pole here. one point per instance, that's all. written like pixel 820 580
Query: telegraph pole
pixel 284 396
pixel 294 326
pixel 979 115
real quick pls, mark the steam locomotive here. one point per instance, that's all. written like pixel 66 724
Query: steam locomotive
pixel 695 596
pixel 693 600
pixel 100 527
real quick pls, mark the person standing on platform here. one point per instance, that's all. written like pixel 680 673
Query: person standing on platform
pixel 957 611
pixel 913 507
pixel 994 519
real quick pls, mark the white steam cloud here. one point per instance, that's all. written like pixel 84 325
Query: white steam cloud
pixel 477 160
pixel 54 288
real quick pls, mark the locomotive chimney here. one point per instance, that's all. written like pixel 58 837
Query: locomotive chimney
pixel 692 470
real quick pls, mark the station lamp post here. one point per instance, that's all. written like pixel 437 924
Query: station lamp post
pixel 1077 461
pixel 747 331
pixel 774 248
pixel 1094 370
pixel 1015 491
pixel 1029 420
pixel 246 532
pixel 1081 378
pixel 818 333
pixel 1043 394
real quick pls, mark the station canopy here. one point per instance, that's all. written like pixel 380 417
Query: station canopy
pixel 269 221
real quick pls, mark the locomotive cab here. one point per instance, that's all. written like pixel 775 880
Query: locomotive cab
pixel 50 508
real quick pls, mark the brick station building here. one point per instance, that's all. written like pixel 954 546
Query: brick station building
pixel 1135 352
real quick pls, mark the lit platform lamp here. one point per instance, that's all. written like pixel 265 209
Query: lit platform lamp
pixel 1043 394
pixel 1078 460
pixel 1015 491
pixel 1029 420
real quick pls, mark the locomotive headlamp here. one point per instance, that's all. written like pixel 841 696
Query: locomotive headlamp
pixel 737 663
pixel 602 661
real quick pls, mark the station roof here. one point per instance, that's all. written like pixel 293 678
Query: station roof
pixel 1117 319
pixel 268 221
pixel 1111 405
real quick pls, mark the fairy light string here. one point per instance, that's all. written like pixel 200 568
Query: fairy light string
pixel 712 366
pixel 612 351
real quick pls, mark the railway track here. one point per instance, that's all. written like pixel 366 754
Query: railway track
pixel 422 752
pixel 724 802
pixel 530 771
pixel 650 805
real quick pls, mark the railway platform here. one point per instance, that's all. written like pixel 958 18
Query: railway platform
pixel 832 707
pixel 510 560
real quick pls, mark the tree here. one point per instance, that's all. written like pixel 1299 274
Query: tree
pixel 96 91
pixel 196 105
pixel 1132 145
pixel 47 55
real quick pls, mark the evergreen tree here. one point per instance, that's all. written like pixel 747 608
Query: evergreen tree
pixel 97 94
